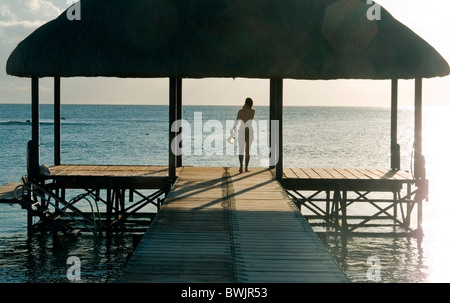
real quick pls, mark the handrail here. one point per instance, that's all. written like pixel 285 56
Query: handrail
pixel 84 197
pixel 38 190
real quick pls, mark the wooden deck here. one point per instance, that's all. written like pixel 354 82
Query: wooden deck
pixel 331 197
pixel 104 176
pixel 349 178
pixel 347 173
pixel 73 176
pixel 108 170
pixel 217 225
pixel 7 192
pixel 221 226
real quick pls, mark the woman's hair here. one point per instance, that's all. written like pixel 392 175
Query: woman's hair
pixel 248 103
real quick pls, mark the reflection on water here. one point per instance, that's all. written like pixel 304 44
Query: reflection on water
pixel 43 258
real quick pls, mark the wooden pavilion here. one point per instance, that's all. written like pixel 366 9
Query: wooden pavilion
pixel 265 39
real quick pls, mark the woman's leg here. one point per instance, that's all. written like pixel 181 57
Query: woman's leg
pixel 247 159
pixel 241 147
pixel 248 144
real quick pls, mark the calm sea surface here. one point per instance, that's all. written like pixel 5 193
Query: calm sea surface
pixel 353 137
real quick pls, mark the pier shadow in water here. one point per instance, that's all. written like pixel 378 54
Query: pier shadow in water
pixel 42 258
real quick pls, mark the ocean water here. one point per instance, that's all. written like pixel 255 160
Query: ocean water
pixel 351 137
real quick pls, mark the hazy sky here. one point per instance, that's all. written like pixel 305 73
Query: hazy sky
pixel 429 19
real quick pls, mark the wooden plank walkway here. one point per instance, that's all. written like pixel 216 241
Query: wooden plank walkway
pixel 360 179
pixel 347 173
pixel 221 226
pixel 109 170
pixel 105 176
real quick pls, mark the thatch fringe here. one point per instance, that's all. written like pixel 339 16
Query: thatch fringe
pixel 296 39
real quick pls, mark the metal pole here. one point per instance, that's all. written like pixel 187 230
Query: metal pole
pixel 57 121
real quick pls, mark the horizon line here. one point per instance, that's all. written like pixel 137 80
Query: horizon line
pixel 225 105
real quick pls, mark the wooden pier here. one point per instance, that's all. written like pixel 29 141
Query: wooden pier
pixel 217 225
pixel 7 192
pixel 237 227
pixel 221 226
pixel 102 176
pixel 329 197
pixel 333 197
pixel 95 198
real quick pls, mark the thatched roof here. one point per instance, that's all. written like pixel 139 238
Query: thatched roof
pixel 296 39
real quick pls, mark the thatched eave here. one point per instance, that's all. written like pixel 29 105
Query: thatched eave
pixel 292 39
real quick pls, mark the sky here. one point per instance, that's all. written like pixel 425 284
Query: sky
pixel 429 19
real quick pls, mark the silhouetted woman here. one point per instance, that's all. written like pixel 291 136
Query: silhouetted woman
pixel 245 139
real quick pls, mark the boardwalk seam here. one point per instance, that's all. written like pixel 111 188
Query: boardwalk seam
pixel 226 182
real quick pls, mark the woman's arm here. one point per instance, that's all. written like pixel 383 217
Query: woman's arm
pixel 238 118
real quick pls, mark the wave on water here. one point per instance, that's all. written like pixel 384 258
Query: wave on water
pixel 28 122
pixel 15 122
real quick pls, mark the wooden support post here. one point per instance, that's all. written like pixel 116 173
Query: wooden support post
pixel 335 207
pixel 419 161
pixel 29 220
pixel 131 195
pixel 33 155
pixel 172 119
pixel 327 206
pixel 122 201
pixel 63 194
pixel 116 193
pixel 179 115
pixel 109 209
pixel 278 97
pixel 395 147
pixel 419 218
pixel 57 121
pixel 272 117
pixel 344 209
pixel 395 202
